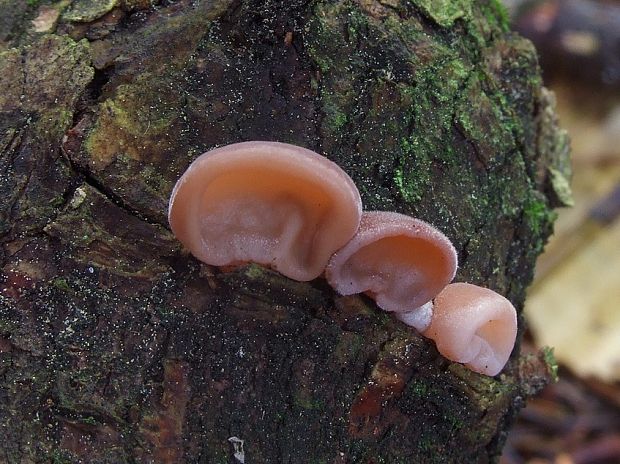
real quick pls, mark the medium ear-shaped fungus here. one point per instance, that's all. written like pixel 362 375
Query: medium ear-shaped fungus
pixel 399 261
pixel 474 326
pixel 266 202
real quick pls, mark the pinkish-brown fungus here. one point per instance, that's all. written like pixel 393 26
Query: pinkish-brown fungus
pixel 474 326
pixel 400 261
pixel 265 202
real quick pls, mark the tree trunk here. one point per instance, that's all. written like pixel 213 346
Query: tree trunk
pixel 117 346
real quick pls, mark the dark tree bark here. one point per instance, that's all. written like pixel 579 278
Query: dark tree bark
pixel 117 346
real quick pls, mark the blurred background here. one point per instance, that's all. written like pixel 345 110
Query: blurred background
pixel 574 303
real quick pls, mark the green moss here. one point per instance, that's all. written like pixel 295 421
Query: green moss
pixel 254 271
pixel 56 201
pixel 90 420
pixel 138 112
pixel 89 10
pixel 60 457
pixel 153 178
pixel 356 24
pixel 454 421
pixel 324 33
pixel 497 14
pixel 434 452
pixel 537 214
pixel 326 42
pixel 413 183
pixel 335 119
pixel 347 348
pixel 551 362
pixel 418 388
pixel 423 389
pixel 430 110
pixel 481 118
pixel 323 63
pixel 61 284
pixel 445 12
pixel 410 124
pixel 305 401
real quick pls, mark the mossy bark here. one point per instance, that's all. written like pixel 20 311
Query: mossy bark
pixel 117 346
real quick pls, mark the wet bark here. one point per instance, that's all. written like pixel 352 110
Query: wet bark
pixel 117 346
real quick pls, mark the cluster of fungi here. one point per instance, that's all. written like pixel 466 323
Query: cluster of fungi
pixel 297 212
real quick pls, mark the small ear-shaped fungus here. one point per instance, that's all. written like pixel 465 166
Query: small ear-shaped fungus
pixel 474 326
pixel 265 202
pixel 399 261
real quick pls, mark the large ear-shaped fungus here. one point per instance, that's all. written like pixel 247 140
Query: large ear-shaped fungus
pixel 266 202
pixel 400 261
pixel 474 326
